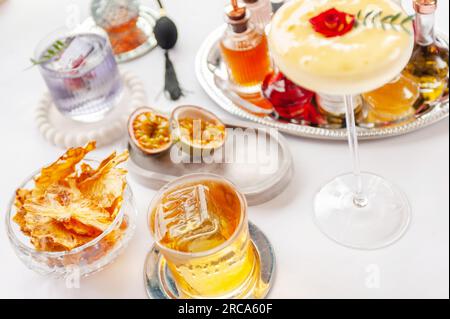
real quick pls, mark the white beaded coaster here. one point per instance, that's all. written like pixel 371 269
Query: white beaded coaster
pixel 65 132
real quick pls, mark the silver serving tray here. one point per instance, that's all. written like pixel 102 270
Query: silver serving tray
pixel 260 179
pixel 209 60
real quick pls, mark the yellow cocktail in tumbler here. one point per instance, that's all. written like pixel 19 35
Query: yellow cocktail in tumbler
pixel 200 225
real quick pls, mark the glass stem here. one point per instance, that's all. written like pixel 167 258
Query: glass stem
pixel 360 199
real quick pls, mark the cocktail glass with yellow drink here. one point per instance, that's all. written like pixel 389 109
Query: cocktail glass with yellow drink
pixel 200 225
pixel 348 47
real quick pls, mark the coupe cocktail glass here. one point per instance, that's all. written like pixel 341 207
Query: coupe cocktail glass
pixel 359 210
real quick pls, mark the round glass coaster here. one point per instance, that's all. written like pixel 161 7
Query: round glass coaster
pixel 65 132
pixel 159 282
pixel 378 224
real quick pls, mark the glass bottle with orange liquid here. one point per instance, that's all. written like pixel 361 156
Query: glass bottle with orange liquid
pixel 119 19
pixel 394 101
pixel 245 52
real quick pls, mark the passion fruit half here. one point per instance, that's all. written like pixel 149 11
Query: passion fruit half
pixel 149 131
pixel 195 128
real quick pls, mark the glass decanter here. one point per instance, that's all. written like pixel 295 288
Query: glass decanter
pixel 332 108
pixel 119 19
pixel 394 101
pixel 245 52
pixel 429 61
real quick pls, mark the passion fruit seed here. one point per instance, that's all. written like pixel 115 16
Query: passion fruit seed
pixel 210 132
pixel 151 131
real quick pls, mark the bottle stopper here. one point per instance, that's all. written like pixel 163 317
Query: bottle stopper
pixel 425 6
pixel 237 18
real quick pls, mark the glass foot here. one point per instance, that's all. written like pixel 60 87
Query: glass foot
pixel 379 223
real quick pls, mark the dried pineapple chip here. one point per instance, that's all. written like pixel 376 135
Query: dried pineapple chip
pixel 82 211
pixel 19 219
pixel 107 183
pixel 54 236
pixel 68 207
pixel 21 196
pixel 62 168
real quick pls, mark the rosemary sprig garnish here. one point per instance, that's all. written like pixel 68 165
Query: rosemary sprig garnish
pixel 55 49
pixel 395 18
pixel 405 21
pixel 367 17
pixel 376 18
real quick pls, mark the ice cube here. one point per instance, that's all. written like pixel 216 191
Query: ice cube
pixel 77 50
pixel 186 218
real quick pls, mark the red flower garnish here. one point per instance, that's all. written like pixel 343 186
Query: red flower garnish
pixel 333 23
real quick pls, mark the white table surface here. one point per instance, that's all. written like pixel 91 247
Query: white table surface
pixel 309 264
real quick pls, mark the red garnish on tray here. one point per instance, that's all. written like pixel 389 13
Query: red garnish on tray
pixel 291 101
pixel 333 23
